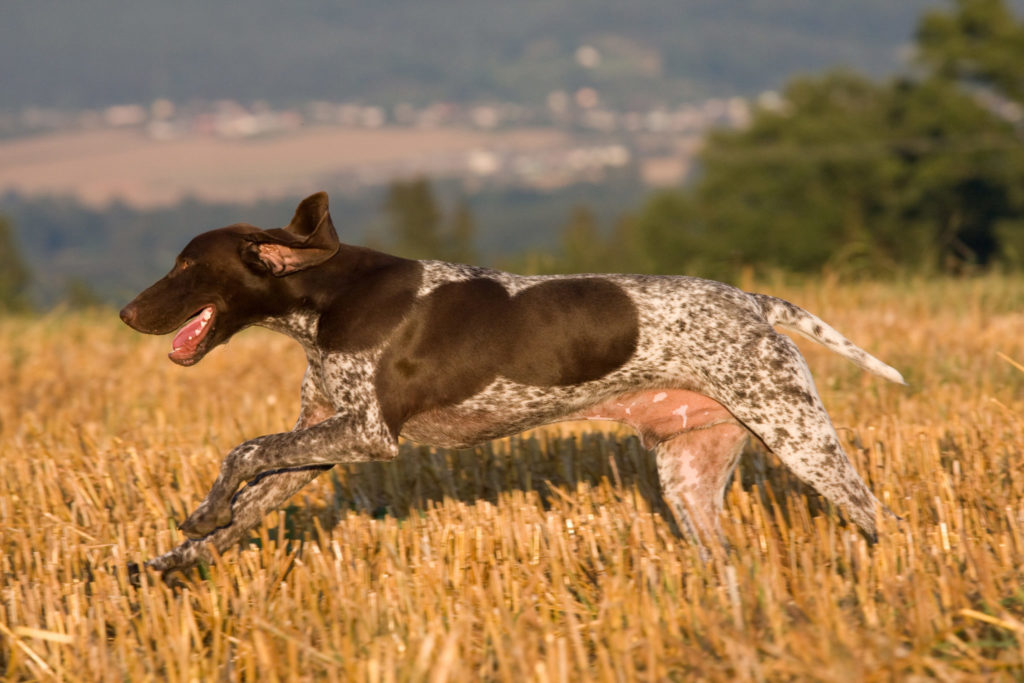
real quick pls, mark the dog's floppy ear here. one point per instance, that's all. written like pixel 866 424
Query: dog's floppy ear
pixel 309 240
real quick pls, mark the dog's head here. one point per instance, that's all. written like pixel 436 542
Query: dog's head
pixel 230 278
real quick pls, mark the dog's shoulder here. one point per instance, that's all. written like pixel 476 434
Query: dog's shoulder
pixel 363 299
pixel 438 273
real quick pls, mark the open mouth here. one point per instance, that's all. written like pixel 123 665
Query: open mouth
pixel 185 349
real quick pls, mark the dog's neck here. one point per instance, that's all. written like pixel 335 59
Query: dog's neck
pixel 349 303
pixel 301 325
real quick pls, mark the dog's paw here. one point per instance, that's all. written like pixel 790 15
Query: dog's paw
pixel 205 520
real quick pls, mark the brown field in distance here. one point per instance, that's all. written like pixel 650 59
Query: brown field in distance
pixel 100 166
pixel 547 558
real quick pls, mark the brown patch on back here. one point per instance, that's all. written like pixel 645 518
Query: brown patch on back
pixel 571 331
pixel 463 335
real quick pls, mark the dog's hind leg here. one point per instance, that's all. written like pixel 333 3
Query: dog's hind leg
pixel 784 410
pixel 694 467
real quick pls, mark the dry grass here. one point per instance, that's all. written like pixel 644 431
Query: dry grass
pixel 548 558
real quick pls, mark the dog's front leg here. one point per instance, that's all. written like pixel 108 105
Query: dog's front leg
pixel 256 499
pixel 351 437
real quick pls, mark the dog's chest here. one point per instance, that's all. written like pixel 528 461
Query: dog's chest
pixel 344 381
pixel 502 409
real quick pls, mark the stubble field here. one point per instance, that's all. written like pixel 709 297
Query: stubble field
pixel 548 557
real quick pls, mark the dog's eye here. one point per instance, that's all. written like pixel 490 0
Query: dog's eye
pixel 180 266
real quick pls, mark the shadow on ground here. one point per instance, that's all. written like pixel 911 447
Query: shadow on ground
pixel 421 477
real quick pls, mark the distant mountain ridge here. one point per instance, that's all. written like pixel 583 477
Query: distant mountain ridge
pixel 101 52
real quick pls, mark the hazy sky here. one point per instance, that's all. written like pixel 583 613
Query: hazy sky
pixel 101 52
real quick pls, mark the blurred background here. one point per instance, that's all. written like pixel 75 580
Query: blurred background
pixel 863 138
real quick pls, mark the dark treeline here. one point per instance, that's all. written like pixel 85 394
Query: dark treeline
pixel 923 172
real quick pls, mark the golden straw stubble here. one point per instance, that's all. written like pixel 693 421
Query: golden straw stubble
pixel 546 557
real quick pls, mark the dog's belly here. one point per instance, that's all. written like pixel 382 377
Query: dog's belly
pixel 656 415
pixel 660 414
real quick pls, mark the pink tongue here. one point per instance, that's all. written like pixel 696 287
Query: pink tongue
pixel 192 328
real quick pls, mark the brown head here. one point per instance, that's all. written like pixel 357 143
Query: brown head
pixel 230 278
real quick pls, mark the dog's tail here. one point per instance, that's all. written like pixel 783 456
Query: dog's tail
pixel 790 316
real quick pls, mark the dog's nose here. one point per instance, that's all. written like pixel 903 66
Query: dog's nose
pixel 128 314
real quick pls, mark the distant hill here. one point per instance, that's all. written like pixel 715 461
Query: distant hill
pixel 84 54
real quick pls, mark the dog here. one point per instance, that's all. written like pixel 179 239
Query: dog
pixel 454 355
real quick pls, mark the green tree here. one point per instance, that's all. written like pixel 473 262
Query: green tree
pixel 664 237
pixel 461 236
pixel 583 249
pixel 414 218
pixel 961 178
pixel 15 275
pixel 978 42
pixel 909 173
pixel 79 294
pixel 417 226
pixel 851 174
